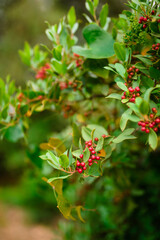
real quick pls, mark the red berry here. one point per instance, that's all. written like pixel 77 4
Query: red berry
pixel 147 131
pixel 131 89
pixel 93 152
pixel 143 129
pixel 132 74
pixel 89 160
pixel 81 155
pixel 78 164
pixel 95 162
pixel 96 139
pixel 132 100
pixel 154 110
pixel 86 142
pixel 90 149
pixel 155 129
pixel 145 19
pixel 89 144
pixel 133 67
pixel 139 123
pixel 82 164
pixel 137 89
pixel 84 168
pixel 143 124
pixel 137 70
pixel 151 125
pixel 90 164
pixel 141 18
pixel 140 21
pixel 157 120
pixel 151 115
pixel 153 46
pixel 104 136
pixel 138 94
pixel 80 170
pixel 144 25
pixel 123 97
pixel 97 158
pixel 130 69
pixel 156 48
pixel 134 95
pixel 153 12
pixel 93 157
pixel 158 44
pixel 129 76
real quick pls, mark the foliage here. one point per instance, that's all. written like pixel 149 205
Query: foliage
pixel 109 89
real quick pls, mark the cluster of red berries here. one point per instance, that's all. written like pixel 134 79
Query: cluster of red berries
pixel 79 61
pixel 42 74
pixel 158 20
pixel 132 71
pixel 143 20
pixel 131 94
pixel 81 166
pixel 152 122
pixel 65 85
pixel 155 47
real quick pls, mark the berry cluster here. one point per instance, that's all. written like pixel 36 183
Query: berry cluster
pixel 143 20
pixel 152 122
pixel 81 166
pixel 65 85
pixel 131 94
pixel 155 47
pixel 131 72
pixel 42 74
pixel 158 20
pixel 79 61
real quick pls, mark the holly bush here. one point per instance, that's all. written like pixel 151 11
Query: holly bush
pixel 104 163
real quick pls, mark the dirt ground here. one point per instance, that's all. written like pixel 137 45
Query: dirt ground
pixel 15 226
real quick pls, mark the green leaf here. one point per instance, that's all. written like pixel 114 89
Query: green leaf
pixel 154 73
pixel 59 67
pixel 89 6
pixel 125 135
pixel 120 69
pixel 144 59
pixel 14 133
pixel 71 159
pixel 96 2
pixel 86 155
pixel 77 153
pixel 103 15
pixel 100 43
pixel 122 86
pixel 144 107
pixel 120 51
pixel 76 134
pixel 54 160
pixel 26 54
pixel 100 144
pixel 86 133
pixel 148 92
pixel 71 17
pixel 64 161
pixel 115 96
pixel 124 119
pixel 57 178
pixel 94 170
pixel 152 139
pixel 99 130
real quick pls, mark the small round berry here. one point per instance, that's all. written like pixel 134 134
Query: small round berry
pixel 138 94
pixel 130 69
pixel 123 97
pixel 134 95
pixel 151 125
pixel 157 120
pixel 96 162
pixel 147 130
pixel 86 142
pixel 153 46
pixel 132 100
pixel 82 164
pixel 84 168
pixel 132 74
pixel 145 19
pixel 137 89
pixel 78 164
pixel 151 115
pixel 137 70
pixel 143 129
pixel 158 44
pixel 96 139
pixel 97 158
pixel 144 25
pixel 156 48
pixel 131 89
pixel 133 67
pixel 90 141
pixel 93 152
pixel 93 157
pixel 90 149
pixel 129 76
pixel 89 144
pixel 141 18
pixel 90 164
pixel 155 129
pixel 139 123
pixel 81 155
pixel 154 110
pixel 104 136
pixel 143 124
pixel 154 123
pixel 153 12
pixel 80 170
pixel 89 160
